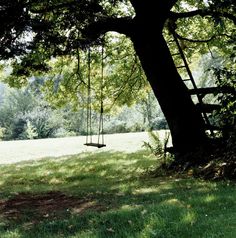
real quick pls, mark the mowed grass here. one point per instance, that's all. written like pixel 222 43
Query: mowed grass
pixel 110 195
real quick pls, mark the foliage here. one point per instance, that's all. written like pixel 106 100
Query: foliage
pixel 18 128
pixel 25 109
pixel 45 121
pixel 156 145
pixel 23 129
pixel 110 195
pixel 30 131
pixel 63 132
pixel 15 103
pixel 216 70
pixel 226 78
pixel 158 148
pixel 24 115
pixel 2 132
pixel 121 80
pixel 226 116
pixel 220 72
pixel 153 117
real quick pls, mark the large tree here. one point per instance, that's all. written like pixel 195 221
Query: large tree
pixel 34 31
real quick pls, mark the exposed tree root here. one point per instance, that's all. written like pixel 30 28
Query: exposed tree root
pixel 215 161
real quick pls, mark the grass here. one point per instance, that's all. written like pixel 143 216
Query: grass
pixel 110 195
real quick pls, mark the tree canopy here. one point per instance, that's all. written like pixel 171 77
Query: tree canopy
pixel 33 33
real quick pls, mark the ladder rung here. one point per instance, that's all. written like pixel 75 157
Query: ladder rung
pixel 207 108
pixel 186 79
pixel 181 66
pixel 176 54
pixel 212 90
pixel 212 127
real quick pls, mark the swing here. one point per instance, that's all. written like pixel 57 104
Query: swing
pixel 89 137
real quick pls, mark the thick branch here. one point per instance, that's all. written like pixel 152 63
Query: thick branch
pixel 121 25
pixel 142 7
pixel 202 13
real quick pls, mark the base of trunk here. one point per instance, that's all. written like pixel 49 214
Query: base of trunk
pixel 185 122
pixel 215 161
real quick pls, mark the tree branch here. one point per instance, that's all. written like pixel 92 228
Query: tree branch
pixel 203 13
pixel 201 41
pixel 160 6
pixel 121 25
pixel 193 40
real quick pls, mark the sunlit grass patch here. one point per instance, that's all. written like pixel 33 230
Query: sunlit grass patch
pixel 107 195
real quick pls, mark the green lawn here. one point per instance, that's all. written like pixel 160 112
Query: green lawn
pixel 110 195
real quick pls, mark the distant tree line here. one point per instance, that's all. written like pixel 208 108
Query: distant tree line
pixel 24 114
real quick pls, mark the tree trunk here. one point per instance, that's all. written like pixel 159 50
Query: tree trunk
pixel 185 122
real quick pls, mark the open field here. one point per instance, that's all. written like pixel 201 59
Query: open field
pixel 15 151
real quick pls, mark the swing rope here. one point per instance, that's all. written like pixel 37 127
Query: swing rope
pixel 89 140
pixel 89 106
pixel 100 129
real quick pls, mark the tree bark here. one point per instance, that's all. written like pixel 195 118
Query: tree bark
pixel 185 122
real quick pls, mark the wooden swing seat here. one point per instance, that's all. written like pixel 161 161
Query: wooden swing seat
pixel 98 145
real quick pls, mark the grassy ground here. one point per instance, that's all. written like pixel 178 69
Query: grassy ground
pixel 110 195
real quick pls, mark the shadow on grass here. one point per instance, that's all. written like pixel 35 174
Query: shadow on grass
pixel 106 195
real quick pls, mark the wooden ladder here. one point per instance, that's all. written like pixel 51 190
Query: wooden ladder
pixel 199 92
